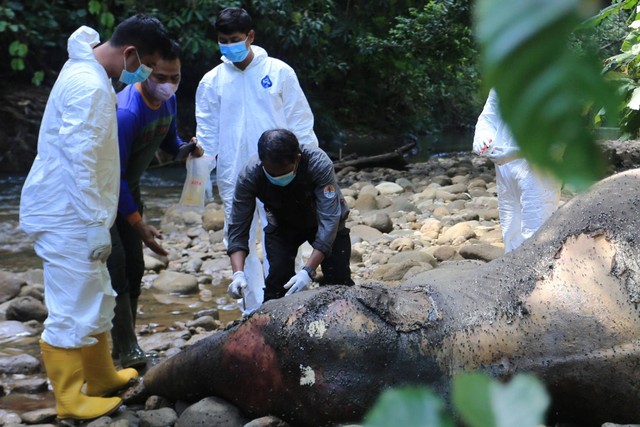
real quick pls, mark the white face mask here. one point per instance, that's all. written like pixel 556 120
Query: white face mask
pixel 161 91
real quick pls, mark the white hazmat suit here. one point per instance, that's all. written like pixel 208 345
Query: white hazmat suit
pixel 233 108
pixel 525 198
pixel 70 196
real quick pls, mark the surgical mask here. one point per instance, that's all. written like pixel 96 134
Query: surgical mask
pixel 234 52
pixel 139 75
pixel 282 180
pixel 161 91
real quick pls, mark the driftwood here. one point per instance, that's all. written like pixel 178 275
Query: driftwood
pixel 394 159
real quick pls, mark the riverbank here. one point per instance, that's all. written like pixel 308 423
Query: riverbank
pixel 402 223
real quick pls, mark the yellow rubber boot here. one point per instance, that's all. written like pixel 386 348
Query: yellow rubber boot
pixel 64 369
pixel 99 371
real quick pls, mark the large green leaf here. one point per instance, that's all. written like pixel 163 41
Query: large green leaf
pixel 542 85
pixel 408 406
pixel 484 402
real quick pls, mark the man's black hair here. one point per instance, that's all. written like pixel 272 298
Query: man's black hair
pixel 233 20
pixel 145 32
pixel 174 53
pixel 278 146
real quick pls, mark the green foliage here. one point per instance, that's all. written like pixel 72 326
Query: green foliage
pixel 426 65
pixel 477 399
pixel 543 85
pixel 624 68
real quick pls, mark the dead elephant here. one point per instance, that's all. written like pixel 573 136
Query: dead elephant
pixel 563 306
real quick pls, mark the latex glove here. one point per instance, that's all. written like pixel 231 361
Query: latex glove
pixel 502 155
pixel 236 288
pixel 299 282
pixel 481 146
pixel 99 241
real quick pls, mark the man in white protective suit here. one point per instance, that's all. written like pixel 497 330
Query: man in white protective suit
pixel 525 198
pixel 236 102
pixel 68 204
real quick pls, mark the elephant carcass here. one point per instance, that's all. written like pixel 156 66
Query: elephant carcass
pixel 563 306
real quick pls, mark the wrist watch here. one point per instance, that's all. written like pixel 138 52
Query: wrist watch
pixel 310 271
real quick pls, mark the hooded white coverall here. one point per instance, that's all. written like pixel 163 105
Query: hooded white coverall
pixel 525 198
pixel 233 108
pixel 73 186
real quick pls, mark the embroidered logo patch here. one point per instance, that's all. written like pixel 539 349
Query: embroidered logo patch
pixel 329 192
pixel 266 82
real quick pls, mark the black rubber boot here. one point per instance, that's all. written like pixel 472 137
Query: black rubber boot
pixel 125 342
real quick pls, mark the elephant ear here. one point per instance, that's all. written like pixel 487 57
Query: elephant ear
pixel 407 309
pixel 543 86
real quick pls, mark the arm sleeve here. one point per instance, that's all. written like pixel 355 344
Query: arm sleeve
pixel 297 111
pixel 85 127
pixel 128 130
pixel 207 117
pixel 327 198
pixel 172 142
pixel 242 209
pixel 487 124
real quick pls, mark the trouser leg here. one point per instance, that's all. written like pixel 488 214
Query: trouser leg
pixel 126 267
pixel 282 247
pixel 335 268
pixel 509 206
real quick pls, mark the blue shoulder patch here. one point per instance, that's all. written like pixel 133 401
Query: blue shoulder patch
pixel 266 82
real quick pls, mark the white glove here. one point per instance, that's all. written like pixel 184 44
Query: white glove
pixel 502 155
pixel 299 282
pixel 99 241
pixel 480 147
pixel 236 288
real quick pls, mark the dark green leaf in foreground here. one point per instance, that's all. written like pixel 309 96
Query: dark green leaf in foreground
pixel 543 86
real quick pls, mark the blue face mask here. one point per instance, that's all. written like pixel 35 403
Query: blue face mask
pixel 234 52
pixel 282 180
pixel 139 75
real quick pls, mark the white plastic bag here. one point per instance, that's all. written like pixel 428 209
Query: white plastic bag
pixel 198 181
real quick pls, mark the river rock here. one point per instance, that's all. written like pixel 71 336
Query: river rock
pixel 379 221
pixel 175 282
pixel 489 214
pixel 444 253
pixel 417 257
pixel 366 233
pixel 368 189
pixel 9 418
pixel 208 323
pixel 211 411
pixel 391 272
pixel 481 251
pixel 402 204
pixel 462 230
pixel 366 202
pixel 455 188
pixel 23 309
pixel 20 364
pixel 268 421
pixel 10 285
pixel 157 417
pixel 157 402
pixel 162 341
pixel 35 291
pixel 213 220
pixel 39 416
pixel 441 180
pixel 14 328
pixel 402 244
pixel 152 263
pixel 29 385
pixel 389 188
pixel 431 228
